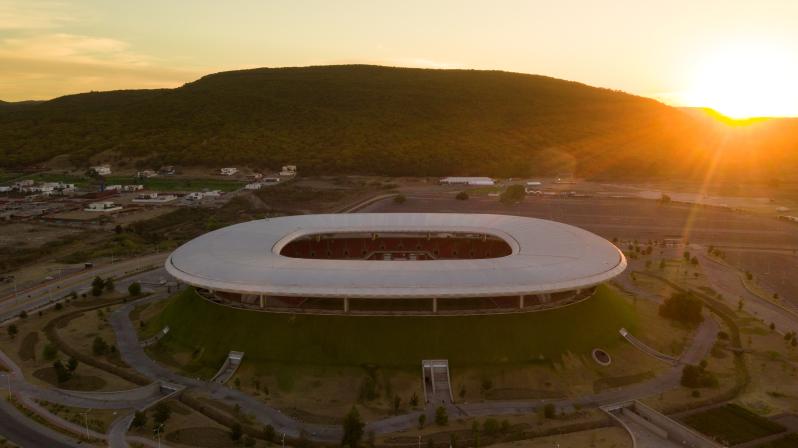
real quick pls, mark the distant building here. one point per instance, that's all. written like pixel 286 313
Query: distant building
pixel 195 196
pixel 102 170
pixel 231 171
pixel 5 189
pixel 253 186
pixel 534 183
pixel 212 194
pixel 132 187
pixel 270 180
pixel 288 171
pixel 475 181
pixel 113 187
pixel 146 174
pixel 167 170
pixel 104 206
pixel 256 176
pixel 154 198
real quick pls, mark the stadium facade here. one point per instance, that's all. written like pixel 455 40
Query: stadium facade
pixel 397 263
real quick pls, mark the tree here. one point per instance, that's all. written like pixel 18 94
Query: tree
pixel 62 374
pixel 397 404
pixel 513 194
pixel 462 196
pixel 441 416
pixel 268 433
pixel 134 289
pixel 12 330
pixel 139 419
pixel 162 413
pixel 664 199
pixel 49 352
pixel 399 199
pixel 695 376
pixel 682 307
pixel 72 364
pixel 490 426
pixel 549 411
pixel 353 429
pixel 99 347
pixel 109 284
pixel 414 399
pixel 422 420
pixel 235 432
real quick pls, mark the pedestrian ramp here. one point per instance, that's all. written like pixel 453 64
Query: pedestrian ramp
pixel 228 368
pixel 437 381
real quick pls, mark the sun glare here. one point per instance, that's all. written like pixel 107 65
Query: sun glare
pixel 744 81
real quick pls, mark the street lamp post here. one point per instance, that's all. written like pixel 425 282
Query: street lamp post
pixel 86 422
pixel 158 434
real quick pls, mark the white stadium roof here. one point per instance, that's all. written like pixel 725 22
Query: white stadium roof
pixel 546 257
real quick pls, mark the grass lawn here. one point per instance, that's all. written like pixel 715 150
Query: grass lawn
pixel 732 424
pixel 210 331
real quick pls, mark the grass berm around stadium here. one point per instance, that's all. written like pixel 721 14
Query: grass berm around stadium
pixel 210 331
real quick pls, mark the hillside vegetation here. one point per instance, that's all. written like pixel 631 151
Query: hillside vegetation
pixel 390 121
pixel 545 336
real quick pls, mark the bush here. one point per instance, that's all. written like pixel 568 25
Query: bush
pixel 236 431
pixel 682 307
pixel 134 289
pixel 12 331
pixel 99 347
pixel 49 352
pixel 549 411
pixel 353 429
pixel 268 433
pixel 462 196
pixel 513 194
pixel 490 427
pixel 62 374
pixel 441 417
pixel 139 419
pixel 696 376
pixel 161 414
pixel 399 199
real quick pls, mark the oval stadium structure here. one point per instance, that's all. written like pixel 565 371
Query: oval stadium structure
pixel 397 263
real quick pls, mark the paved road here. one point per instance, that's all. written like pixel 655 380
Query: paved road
pixel 27 433
pixel 47 292
pixel 643 437
pixel 728 282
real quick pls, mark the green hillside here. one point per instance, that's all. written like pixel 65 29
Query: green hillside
pixel 392 341
pixel 368 120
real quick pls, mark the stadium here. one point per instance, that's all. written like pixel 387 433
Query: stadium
pixel 397 264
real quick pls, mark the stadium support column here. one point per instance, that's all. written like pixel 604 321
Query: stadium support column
pixel 434 305
pixel 521 302
pixel 261 301
pixel 346 304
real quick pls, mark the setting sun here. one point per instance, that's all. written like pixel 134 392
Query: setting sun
pixel 747 80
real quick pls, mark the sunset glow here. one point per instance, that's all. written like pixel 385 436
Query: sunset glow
pixel 746 80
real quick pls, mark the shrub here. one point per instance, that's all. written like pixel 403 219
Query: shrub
pixel 99 347
pixel 682 307
pixel 462 196
pixel 399 199
pixel 134 289
pixel 490 426
pixel 353 429
pixel 235 431
pixel 139 419
pixel 441 416
pixel 12 331
pixel 513 194
pixel 49 352
pixel 549 411
pixel 694 377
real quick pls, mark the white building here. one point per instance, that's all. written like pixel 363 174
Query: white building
pixel 534 183
pixel 133 187
pixel 230 171
pixel 154 198
pixel 113 187
pixel 476 181
pixel 5 189
pixel 102 170
pixel 195 196
pixel 146 173
pixel 270 180
pixel 212 194
pixel 288 171
pixel 253 186
pixel 104 206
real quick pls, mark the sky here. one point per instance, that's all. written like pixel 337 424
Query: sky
pixel 738 56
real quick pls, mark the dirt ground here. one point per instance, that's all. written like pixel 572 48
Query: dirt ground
pixel 26 349
pixel 26 234
pixel 613 437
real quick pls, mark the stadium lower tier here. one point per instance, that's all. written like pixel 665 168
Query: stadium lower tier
pixel 382 306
